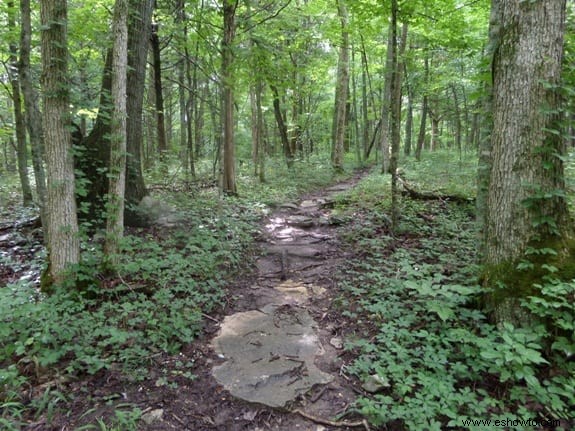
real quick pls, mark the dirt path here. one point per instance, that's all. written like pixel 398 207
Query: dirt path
pixel 272 361
pixel 280 349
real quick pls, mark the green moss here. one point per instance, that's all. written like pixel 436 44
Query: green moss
pixel 507 283
pixel 46 281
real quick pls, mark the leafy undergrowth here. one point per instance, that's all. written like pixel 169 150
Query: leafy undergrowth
pixel 411 297
pixel 168 282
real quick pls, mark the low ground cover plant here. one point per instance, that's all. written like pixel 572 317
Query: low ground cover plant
pixel 438 360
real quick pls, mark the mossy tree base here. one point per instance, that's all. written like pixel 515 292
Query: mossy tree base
pixel 507 284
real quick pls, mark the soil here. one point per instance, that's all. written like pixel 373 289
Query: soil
pixel 300 254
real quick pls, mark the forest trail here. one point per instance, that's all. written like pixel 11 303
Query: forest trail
pixel 279 348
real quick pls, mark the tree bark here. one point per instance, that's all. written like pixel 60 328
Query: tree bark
pixel 289 156
pixel 395 113
pixel 32 110
pixel 139 29
pixel 424 112
pixel 62 228
pixel 342 86
pixel 20 126
pixel 160 114
pixel 229 170
pixel 409 116
pixel 526 205
pixel 385 106
pixel 117 170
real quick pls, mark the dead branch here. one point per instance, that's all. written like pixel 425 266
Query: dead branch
pixel 414 194
pixel 322 421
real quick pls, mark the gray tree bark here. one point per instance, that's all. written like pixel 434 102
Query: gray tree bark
pixel 342 86
pixel 21 147
pixel 526 206
pixel 229 170
pixel 117 170
pixel 32 110
pixel 62 228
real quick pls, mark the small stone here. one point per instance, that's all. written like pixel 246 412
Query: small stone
pixel 336 342
pixel 289 205
pixel 317 290
pixel 375 383
pixel 308 204
pixel 300 221
pixel 153 416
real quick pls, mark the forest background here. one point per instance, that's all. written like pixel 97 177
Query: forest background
pixel 110 109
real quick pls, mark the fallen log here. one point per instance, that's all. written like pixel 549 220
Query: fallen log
pixel 414 194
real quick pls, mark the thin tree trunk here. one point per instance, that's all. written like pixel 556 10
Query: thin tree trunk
pixel 21 148
pixel 342 86
pixel 395 113
pixel 385 107
pixel 117 171
pixel 229 159
pixel 457 120
pixel 159 93
pixel 424 109
pixel 32 110
pixel 184 118
pixel 282 127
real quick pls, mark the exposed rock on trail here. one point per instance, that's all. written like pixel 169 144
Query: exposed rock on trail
pixel 279 350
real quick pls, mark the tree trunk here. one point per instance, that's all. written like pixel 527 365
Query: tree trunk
pixel 422 129
pixel 424 112
pixel 526 205
pixel 32 110
pixel 117 170
pixel 139 29
pixel 62 228
pixel 229 159
pixel 385 107
pixel 158 90
pixel 282 127
pixel 258 150
pixel 395 112
pixel 457 120
pixel 409 116
pixel 20 126
pixel 341 96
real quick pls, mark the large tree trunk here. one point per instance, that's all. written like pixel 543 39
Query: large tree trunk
pixel 526 206
pixel 117 171
pixel 139 29
pixel 95 148
pixel 341 90
pixel 62 228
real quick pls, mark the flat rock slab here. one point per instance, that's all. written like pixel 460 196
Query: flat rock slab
pixel 295 250
pixel 300 221
pixel 269 355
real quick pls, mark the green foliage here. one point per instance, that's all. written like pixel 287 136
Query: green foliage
pixel 283 184
pixel 165 283
pixel 415 296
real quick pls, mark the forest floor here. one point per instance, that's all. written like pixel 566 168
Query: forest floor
pixel 271 313
pixel 288 371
